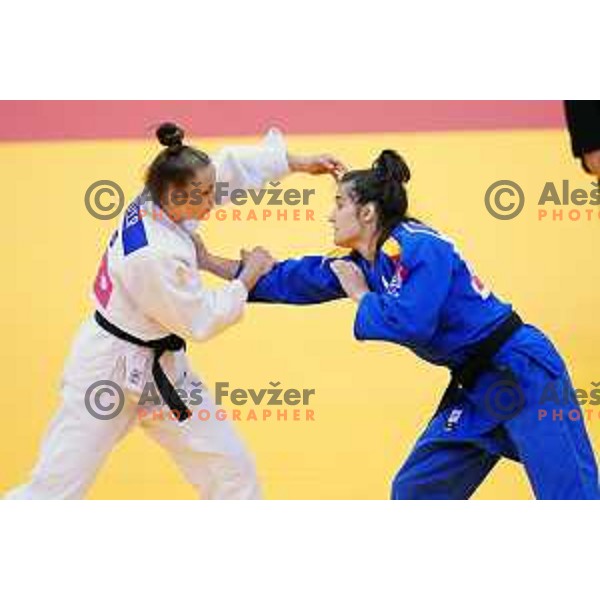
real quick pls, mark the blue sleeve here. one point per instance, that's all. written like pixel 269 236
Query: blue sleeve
pixel 409 315
pixel 307 280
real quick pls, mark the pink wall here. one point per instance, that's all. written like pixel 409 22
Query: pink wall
pixel 58 120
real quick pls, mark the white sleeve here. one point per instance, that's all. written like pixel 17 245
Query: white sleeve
pixel 170 292
pixel 244 167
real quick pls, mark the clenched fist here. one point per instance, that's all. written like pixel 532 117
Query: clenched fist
pixel 257 262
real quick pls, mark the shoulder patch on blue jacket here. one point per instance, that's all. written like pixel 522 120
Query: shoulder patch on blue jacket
pixel 392 248
pixel 134 231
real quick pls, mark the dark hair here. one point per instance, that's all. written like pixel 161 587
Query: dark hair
pixel 177 163
pixel 383 184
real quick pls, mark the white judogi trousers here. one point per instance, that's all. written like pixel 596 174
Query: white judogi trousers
pixel 209 453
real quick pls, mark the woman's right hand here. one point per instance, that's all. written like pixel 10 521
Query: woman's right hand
pixel 257 262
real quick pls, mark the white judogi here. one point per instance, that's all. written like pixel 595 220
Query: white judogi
pixel 148 285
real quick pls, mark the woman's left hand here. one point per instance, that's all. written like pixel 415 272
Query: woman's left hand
pixel 351 278
pixel 319 164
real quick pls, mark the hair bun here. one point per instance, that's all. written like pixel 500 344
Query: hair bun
pixel 389 165
pixel 170 135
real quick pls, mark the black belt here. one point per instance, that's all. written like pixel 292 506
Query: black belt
pixel 480 360
pixel 165 387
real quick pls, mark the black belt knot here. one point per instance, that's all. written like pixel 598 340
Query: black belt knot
pixel 480 360
pixel 171 343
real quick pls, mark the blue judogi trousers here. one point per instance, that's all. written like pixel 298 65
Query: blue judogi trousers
pixel 546 433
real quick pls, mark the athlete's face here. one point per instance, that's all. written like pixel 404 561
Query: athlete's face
pixel 350 221
pixel 196 199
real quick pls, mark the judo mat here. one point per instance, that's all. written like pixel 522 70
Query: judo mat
pixel 372 399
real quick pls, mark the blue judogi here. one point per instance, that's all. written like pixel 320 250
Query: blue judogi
pixel 424 295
